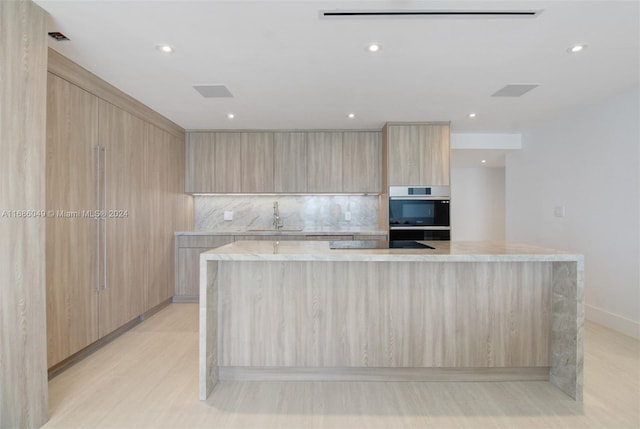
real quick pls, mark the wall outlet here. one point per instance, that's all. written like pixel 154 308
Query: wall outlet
pixel 558 211
pixel 228 215
pixel 347 216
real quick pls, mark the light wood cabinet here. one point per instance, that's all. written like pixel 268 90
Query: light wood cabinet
pixel 257 162
pixel 105 272
pixel 189 247
pixel 122 135
pixel 290 162
pixel 284 162
pixel 361 169
pixel 324 162
pixel 71 238
pixel 200 162
pixel 187 254
pixel 227 174
pixel 214 162
pixel 158 258
pixel 417 154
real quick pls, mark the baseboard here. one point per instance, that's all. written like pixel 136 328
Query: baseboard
pixel 154 310
pixel 90 349
pixel 612 321
pixel 186 299
pixel 93 347
pixel 246 373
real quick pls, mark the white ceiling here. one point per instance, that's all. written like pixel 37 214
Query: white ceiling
pixel 287 68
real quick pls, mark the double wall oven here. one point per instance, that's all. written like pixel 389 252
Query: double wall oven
pixel 419 213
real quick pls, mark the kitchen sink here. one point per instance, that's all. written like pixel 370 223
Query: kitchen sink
pixel 284 228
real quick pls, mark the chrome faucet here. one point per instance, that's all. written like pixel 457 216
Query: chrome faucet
pixel 277 224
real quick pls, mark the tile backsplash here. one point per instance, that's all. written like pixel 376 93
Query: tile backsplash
pixel 304 211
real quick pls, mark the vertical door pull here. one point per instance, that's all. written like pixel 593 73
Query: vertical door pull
pixel 97 216
pixel 104 217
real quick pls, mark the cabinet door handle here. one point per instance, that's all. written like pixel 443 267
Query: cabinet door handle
pixel 97 217
pixel 104 217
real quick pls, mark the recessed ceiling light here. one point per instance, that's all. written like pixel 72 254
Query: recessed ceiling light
pixel 231 116
pixel 351 115
pixel 373 47
pixel 165 48
pixel 484 161
pixel 472 115
pixel 577 48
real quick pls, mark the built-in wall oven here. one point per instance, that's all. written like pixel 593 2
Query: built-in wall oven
pixel 419 213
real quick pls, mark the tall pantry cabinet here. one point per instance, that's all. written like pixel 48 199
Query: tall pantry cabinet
pixel 114 197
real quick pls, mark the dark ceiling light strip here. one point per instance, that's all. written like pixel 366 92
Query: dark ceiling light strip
pixel 355 13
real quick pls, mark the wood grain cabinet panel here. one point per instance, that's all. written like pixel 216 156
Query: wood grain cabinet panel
pixel 361 170
pixel 23 120
pixel 417 154
pixel 403 155
pixel 290 162
pixel 123 136
pixel 284 162
pixel 200 162
pixel 257 162
pixel 213 162
pixel 435 155
pixel 227 174
pixel 156 258
pixel 324 162
pixel 104 273
pixel 189 247
pixel 187 254
pixel 71 239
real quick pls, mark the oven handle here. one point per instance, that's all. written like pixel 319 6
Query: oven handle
pixel 420 228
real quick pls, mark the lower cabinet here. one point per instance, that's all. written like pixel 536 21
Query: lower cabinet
pixel 187 275
pixel 189 247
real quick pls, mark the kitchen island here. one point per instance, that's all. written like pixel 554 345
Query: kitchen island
pixel 463 311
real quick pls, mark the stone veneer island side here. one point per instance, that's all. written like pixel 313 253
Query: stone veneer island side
pixel 465 311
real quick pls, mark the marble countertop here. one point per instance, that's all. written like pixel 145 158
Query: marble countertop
pixel 357 231
pixel 445 251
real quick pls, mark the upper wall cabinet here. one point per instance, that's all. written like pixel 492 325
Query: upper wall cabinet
pixel 417 153
pixel 290 162
pixel 214 162
pixel 257 162
pixel 361 169
pixel 324 162
pixel 284 162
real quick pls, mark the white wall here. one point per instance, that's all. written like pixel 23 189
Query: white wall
pixel 478 204
pixel 588 163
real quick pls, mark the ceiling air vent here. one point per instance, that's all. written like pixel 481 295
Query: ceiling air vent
pixel 515 90
pixel 58 36
pixel 399 13
pixel 213 91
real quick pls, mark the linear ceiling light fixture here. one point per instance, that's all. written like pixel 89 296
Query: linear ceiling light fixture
pixel 429 13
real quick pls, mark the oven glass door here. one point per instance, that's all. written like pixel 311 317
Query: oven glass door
pixel 418 212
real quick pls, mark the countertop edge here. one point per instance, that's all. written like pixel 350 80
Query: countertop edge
pixel 443 252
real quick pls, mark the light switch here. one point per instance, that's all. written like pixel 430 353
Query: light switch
pixel 347 216
pixel 558 211
pixel 228 215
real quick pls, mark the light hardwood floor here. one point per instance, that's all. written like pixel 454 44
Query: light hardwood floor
pixel 148 378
